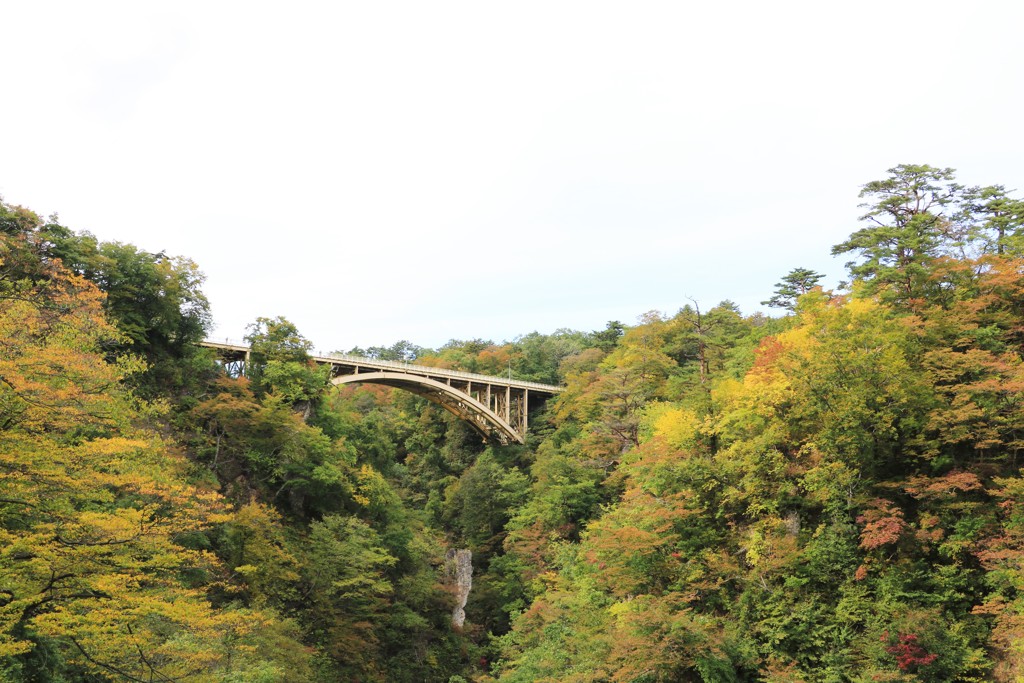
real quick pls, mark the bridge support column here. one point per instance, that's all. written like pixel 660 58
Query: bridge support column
pixel 526 410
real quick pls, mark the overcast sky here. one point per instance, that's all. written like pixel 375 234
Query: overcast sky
pixel 377 171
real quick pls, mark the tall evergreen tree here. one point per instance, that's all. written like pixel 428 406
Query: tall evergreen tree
pixel 793 285
pixel 908 225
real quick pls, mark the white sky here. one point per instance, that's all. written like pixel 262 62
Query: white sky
pixel 375 171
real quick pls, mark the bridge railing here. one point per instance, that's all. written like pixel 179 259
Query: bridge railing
pixel 405 366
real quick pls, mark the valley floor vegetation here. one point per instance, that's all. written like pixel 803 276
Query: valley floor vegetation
pixel 833 494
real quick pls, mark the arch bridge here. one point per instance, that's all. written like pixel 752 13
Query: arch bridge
pixel 497 407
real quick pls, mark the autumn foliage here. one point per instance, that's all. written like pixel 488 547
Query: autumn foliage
pixel 94 507
pixel 834 495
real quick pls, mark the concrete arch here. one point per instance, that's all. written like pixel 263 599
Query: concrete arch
pixel 459 403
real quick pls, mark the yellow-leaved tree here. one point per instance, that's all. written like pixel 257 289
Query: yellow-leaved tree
pixel 98 577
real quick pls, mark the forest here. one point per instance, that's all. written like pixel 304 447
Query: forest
pixel 828 494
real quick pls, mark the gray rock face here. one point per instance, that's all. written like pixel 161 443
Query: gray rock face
pixel 458 566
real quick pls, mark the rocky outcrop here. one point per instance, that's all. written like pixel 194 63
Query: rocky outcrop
pixel 458 566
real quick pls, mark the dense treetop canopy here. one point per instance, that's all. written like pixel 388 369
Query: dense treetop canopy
pixel 834 494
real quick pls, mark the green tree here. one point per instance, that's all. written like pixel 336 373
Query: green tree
pixel 794 284
pixel 909 225
pixel 993 221
pixel 265 444
pixel 402 350
pixel 348 594
pixel 280 363
pixel 700 340
pixel 276 339
pixel 155 299
pixel 607 338
pixel 537 357
pixel 481 501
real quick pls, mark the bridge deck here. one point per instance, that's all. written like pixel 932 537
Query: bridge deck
pixel 359 363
